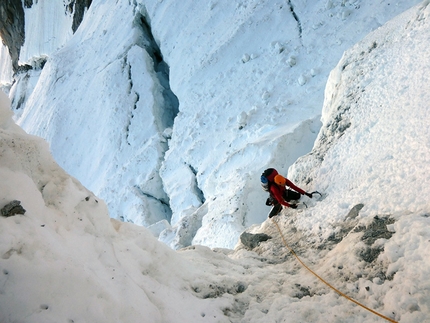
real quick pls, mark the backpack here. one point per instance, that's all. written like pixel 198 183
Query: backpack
pixel 267 178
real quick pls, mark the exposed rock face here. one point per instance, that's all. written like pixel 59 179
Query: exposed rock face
pixel 374 231
pixel 78 7
pixel 12 28
pixel 12 208
pixel 251 241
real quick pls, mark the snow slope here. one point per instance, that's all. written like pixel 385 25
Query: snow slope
pixel 248 77
pixel 65 260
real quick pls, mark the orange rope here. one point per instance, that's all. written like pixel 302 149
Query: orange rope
pixel 336 290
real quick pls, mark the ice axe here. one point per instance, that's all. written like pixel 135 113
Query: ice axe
pixel 316 192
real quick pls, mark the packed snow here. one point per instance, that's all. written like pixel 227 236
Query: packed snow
pixel 170 111
pixel 66 260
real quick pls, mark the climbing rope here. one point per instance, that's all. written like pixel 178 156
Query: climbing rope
pixel 316 275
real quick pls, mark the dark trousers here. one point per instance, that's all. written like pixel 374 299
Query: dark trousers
pixel 289 195
pixel 276 209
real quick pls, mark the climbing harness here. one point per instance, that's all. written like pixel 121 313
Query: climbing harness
pixel 316 275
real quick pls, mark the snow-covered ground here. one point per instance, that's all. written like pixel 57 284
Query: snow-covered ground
pixel 181 149
pixel 65 260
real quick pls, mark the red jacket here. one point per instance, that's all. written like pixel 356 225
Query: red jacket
pixel 277 191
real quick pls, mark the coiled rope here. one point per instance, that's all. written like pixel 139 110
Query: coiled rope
pixel 316 275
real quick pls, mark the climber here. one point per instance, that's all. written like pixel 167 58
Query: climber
pixel 275 184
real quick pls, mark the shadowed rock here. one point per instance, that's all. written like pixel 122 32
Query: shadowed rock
pixel 251 241
pixel 12 29
pixel 12 208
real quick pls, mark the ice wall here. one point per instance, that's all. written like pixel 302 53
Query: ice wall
pixel 249 78
pixel 6 71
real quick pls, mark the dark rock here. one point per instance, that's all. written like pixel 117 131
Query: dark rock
pixel 336 237
pixel 353 213
pixel 376 230
pixel 28 3
pixel 240 288
pixel 302 291
pixel 12 208
pixel 346 227
pixel 217 290
pixel 12 29
pixel 78 8
pixel 251 241
pixel 370 254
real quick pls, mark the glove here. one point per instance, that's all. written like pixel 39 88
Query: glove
pixel 308 195
pixel 293 206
